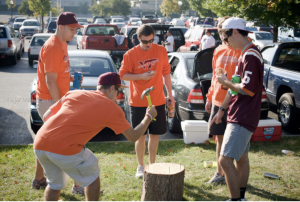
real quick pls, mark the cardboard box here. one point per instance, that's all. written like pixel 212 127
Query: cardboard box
pixel 267 130
pixel 194 131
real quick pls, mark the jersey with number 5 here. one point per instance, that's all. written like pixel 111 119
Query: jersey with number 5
pixel 245 107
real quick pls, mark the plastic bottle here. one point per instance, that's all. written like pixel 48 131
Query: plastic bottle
pixel 170 109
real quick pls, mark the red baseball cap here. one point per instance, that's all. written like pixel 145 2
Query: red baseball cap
pixel 69 19
pixel 110 78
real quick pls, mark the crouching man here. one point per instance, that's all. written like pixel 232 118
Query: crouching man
pixel 70 123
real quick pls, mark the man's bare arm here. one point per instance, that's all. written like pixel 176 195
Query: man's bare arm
pixel 133 77
pixel 52 86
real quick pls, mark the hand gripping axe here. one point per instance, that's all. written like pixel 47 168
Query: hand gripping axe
pixel 147 93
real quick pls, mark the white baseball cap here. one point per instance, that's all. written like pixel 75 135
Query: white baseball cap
pixel 235 23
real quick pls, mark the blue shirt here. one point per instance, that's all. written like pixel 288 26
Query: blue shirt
pixel 135 39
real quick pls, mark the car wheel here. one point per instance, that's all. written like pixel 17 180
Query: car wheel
pixel 30 62
pixel 77 46
pixel 193 48
pixel 23 50
pixel 178 50
pixel 34 128
pixel 173 123
pixel 287 113
pixel 19 54
pixel 14 59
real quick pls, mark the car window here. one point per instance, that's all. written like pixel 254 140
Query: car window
pixel 193 35
pixel 90 66
pixel 39 40
pixel 289 58
pixel 12 32
pixel 133 31
pixel 198 34
pixel 81 20
pixel 176 34
pixel 2 33
pixel 190 66
pixel 187 34
pixel 52 24
pixel 19 20
pixel 174 63
pixel 102 30
pixel 267 54
pixel 264 36
pixel 30 23
pixel 297 33
pixel 118 20
pixel 215 34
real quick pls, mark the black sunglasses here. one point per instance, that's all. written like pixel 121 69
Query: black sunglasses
pixel 117 90
pixel 145 41
pixel 228 33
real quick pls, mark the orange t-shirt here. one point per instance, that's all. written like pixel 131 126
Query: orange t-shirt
pixel 137 61
pixel 53 58
pixel 227 58
pixel 79 116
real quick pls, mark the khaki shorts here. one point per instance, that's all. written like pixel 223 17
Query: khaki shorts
pixel 83 168
pixel 42 106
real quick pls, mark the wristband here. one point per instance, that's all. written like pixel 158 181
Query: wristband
pixel 147 114
pixel 222 109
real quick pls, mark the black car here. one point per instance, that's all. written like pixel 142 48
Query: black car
pixel 51 27
pixel 191 74
pixel 160 29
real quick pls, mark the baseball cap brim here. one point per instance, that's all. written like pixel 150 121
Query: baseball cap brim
pixel 75 25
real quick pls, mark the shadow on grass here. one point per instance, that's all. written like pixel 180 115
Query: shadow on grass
pixel 268 195
pixel 69 197
pixel 198 193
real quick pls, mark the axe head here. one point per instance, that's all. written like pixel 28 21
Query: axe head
pixel 146 92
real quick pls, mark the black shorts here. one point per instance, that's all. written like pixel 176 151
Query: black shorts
pixel 158 127
pixel 217 129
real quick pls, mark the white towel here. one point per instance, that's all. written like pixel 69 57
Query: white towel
pixel 119 39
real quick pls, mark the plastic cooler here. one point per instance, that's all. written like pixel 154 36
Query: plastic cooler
pixel 267 130
pixel 194 131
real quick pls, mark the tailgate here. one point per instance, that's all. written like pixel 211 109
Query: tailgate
pixel 101 42
pixel 3 38
pixel 3 43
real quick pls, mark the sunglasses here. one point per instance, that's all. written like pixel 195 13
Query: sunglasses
pixel 117 89
pixel 146 42
pixel 228 33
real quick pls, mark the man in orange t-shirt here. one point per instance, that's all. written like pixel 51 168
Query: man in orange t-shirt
pixel 70 123
pixel 226 58
pixel 54 77
pixel 146 65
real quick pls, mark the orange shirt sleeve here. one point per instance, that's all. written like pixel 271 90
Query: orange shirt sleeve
pixel 166 65
pixel 211 89
pixel 118 122
pixel 126 66
pixel 52 59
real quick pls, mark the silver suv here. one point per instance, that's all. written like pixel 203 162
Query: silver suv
pixel 30 27
pixel 10 44
pixel 18 23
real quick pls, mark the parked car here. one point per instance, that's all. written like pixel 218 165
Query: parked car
pixel 35 46
pixel 266 29
pixel 281 79
pixel 102 37
pixel 177 22
pixel 133 21
pixel 191 74
pixel 252 29
pixel 30 27
pixel 82 21
pixel 288 34
pixel 91 63
pixel 160 30
pixel 10 44
pixel 193 38
pixel 100 21
pixel 18 22
pixel 188 22
pixel 51 27
pixel 261 38
pixel 149 19
pixel 118 21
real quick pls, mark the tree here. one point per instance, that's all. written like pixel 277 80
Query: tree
pixel 198 5
pixel 24 8
pixel 11 6
pixel 40 8
pixel 167 7
pixel 185 5
pixel 83 8
pixel 56 10
pixel 275 13
pixel 111 7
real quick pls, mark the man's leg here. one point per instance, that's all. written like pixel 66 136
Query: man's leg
pixel 39 171
pixel 51 195
pixel 92 192
pixel 243 170
pixel 152 147
pixel 231 175
pixel 140 150
pixel 218 149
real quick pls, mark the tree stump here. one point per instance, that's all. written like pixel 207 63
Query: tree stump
pixel 163 182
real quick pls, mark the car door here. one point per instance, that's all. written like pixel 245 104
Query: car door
pixel 178 38
pixel 15 39
pixel 189 41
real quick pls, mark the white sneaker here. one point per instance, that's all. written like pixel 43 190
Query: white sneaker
pixel 243 199
pixel 216 179
pixel 139 171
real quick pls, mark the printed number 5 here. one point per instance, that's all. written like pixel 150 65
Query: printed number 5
pixel 246 79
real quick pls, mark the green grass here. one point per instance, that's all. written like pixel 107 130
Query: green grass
pixel 118 166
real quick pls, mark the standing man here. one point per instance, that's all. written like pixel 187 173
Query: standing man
pixel 244 108
pixel 135 40
pixel 207 41
pixel 225 57
pixel 54 77
pixel 144 66
pixel 60 147
pixel 169 43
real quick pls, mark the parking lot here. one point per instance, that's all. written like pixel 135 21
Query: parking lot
pixel 15 82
